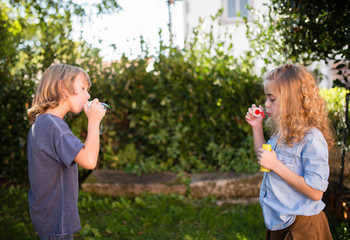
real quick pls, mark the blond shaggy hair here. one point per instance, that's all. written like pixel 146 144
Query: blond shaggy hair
pixel 49 91
pixel 299 105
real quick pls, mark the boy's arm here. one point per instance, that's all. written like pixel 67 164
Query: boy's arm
pixel 88 155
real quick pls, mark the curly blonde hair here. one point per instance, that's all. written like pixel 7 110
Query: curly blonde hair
pixel 49 90
pixel 300 107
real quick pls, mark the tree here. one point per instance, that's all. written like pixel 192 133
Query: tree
pixel 33 35
pixel 305 30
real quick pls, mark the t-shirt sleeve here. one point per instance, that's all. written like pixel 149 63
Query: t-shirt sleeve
pixel 315 162
pixel 68 146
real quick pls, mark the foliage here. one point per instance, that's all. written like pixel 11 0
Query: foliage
pixel 33 34
pixel 303 31
pixel 184 113
pixel 316 30
pixel 334 99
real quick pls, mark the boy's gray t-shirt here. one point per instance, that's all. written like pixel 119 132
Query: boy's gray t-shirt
pixel 53 176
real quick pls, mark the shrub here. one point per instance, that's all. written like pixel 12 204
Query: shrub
pixel 335 103
pixel 184 113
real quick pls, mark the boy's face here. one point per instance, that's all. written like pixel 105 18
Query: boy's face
pixel 81 96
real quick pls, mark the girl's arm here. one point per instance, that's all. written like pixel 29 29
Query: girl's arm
pixel 258 136
pixel 257 127
pixel 269 160
pixel 88 155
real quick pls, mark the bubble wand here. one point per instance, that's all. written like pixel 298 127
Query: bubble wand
pixel 257 112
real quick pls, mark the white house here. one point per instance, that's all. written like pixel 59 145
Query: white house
pixel 232 22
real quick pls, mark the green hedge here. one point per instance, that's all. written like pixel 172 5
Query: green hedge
pixel 184 114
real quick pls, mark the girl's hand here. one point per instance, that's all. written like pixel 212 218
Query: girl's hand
pixel 251 119
pixel 96 111
pixel 267 159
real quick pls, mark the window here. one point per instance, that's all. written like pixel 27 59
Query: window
pixel 233 7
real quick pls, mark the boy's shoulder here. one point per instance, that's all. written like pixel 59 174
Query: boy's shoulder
pixel 50 119
pixel 51 123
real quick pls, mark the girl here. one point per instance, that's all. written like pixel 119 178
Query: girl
pixel 53 150
pixel 291 193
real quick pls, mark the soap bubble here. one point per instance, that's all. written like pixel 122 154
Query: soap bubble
pixel 105 123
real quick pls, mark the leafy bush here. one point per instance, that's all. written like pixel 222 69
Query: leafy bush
pixel 184 113
pixel 34 34
pixel 335 103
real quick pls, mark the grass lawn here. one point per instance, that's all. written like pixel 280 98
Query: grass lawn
pixel 146 217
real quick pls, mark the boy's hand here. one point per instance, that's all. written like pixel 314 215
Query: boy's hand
pixel 96 111
pixel 251 119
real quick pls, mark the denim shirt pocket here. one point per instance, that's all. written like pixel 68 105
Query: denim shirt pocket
pixel 289 160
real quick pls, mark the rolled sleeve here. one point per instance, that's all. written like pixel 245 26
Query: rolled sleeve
pixel 314 158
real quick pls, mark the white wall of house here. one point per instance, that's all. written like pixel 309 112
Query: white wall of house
pixel 195 9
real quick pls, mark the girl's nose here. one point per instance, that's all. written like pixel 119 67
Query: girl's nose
pixel 267 104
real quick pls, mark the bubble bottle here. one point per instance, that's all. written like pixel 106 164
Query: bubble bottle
pixel 268 148
pixel 106 120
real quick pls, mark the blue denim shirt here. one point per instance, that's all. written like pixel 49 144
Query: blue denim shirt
pixel 279 201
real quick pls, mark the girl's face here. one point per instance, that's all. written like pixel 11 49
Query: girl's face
pixel 81 96
pixel 271 103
